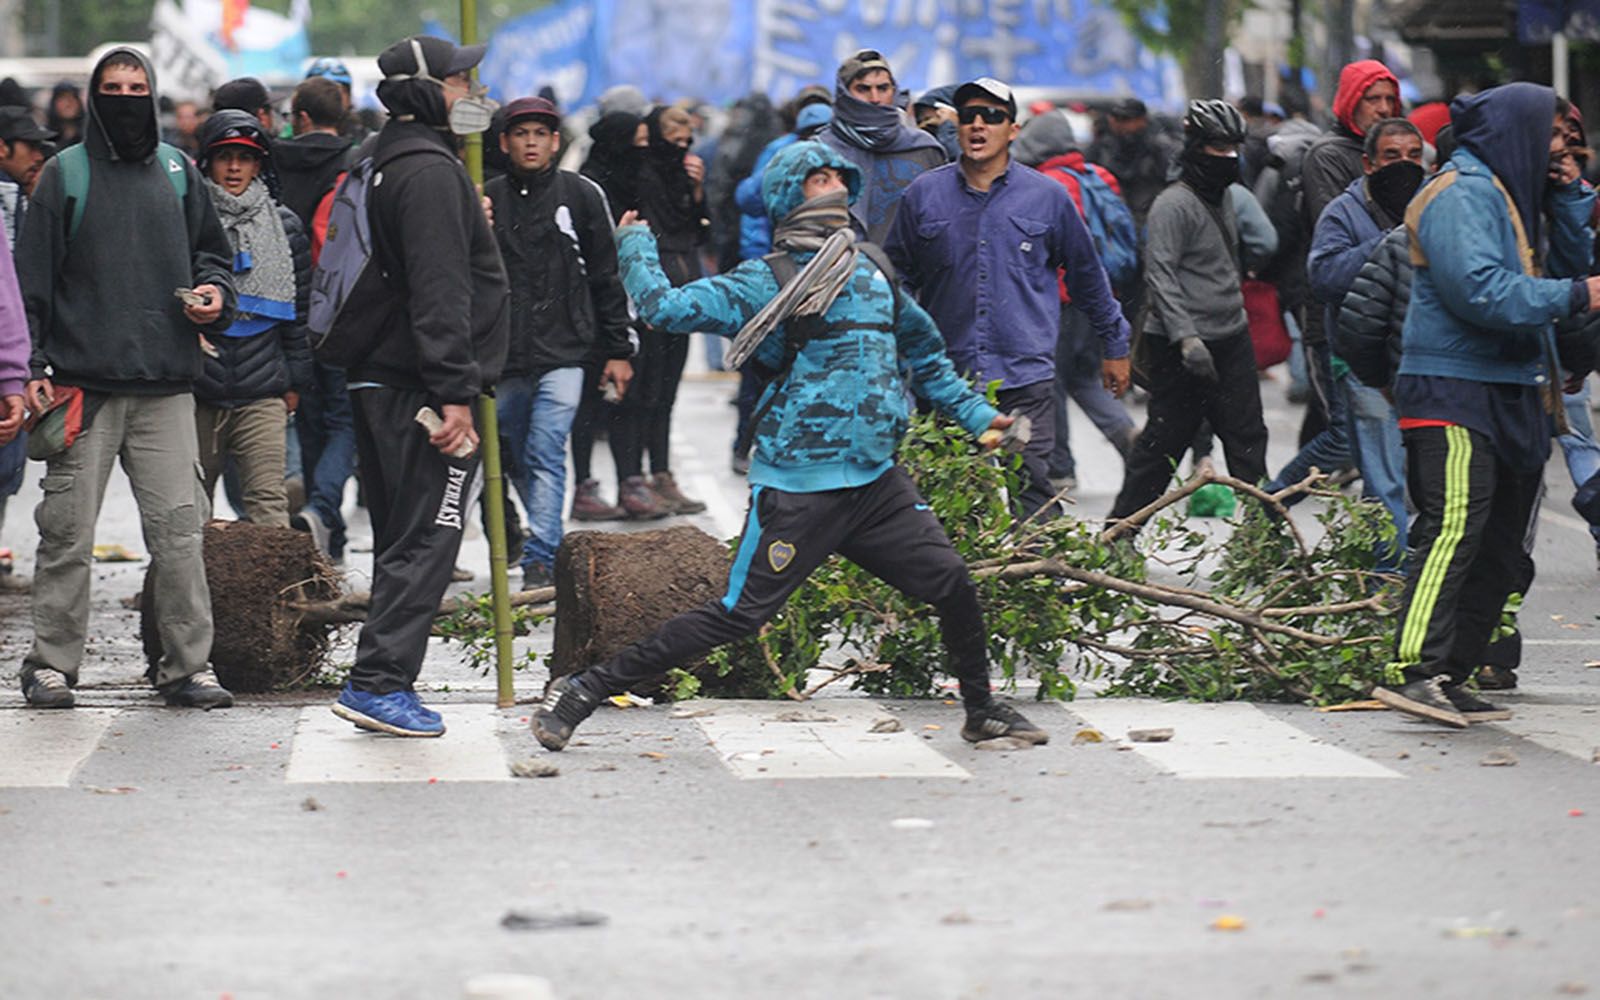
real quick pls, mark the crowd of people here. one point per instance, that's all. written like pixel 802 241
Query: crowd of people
pixel 863 252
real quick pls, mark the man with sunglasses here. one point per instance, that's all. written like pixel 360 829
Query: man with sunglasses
pixel 872 133
pixel 981 241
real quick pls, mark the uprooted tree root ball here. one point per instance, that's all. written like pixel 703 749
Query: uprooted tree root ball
pixel 615 588
pixel 255 573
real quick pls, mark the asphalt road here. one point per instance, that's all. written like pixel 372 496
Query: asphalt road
pixel 267 851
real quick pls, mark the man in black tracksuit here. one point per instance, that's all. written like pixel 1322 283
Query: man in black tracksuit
pixel 569 315
pixel 445 341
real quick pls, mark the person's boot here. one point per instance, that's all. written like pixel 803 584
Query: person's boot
pixel 46 687
pixel 587 505
pixel 1473 708
pixel 639 501
pixel 666 487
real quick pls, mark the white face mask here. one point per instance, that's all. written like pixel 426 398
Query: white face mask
pixel 468 115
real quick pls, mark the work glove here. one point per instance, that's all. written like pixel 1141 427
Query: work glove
pixel 1197 359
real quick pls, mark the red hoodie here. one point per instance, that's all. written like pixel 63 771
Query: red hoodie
pixel 1354 81
pixel 1065 169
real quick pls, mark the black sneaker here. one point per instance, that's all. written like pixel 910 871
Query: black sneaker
pixel 998 719
pixel 48 688
pixel 1474 708
pixel 536 576
pixel 1496 678
pixel 566 704
pixel 1424 699
pixel 197 691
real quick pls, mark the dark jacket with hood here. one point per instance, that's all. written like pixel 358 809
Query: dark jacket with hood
pixel 567 303
pixel 308 165
pixel 1481 313
pixel 100 304
pixel 1373 313
pixel 448 317
pixel 888 152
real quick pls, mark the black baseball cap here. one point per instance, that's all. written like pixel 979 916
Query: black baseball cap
pixel 986 86
pixel 244 94
pixel 1128 107
pixel 17 124
pixel 442 58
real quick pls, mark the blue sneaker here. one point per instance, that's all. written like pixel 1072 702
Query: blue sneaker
pixel 423 710
pixel 397 713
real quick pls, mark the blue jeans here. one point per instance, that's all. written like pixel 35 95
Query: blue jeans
pixel 1379 453
pixel 327 434
pixel 13 463
pixel 1583 453
pixel 1329 450
pixel 536 417
pixel 1078 376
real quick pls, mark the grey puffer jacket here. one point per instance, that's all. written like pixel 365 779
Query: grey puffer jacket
pixel 1373 313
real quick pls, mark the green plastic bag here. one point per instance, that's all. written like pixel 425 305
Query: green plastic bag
pixel 1212 500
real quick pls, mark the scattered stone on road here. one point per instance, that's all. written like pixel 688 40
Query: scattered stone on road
pixel 1150 735
pixel 534 767
pixel 803 715
pixel 528 920
pixel 894 726
pixel 1088 736
pixel 1499 757
pixel 310 804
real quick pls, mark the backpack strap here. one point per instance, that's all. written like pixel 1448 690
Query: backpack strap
pixel 75 178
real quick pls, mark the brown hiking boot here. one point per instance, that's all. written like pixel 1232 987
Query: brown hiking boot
pixel 641 503
pixel 587 505
pixel 667 489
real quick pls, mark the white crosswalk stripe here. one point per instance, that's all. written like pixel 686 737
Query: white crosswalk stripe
pixel 1231 740
pixel 43 748
pixel 1570 729
pixel 327 749
pixel 822 739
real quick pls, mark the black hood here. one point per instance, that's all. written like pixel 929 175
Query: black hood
pixel 310 152
pixel 1508 128
pixel 94 133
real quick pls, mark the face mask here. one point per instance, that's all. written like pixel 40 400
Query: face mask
pixel 472 114
pixel 1210 175
pixel 129 122
pixel 1392 186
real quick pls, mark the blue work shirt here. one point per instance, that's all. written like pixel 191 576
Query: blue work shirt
pixel 984 265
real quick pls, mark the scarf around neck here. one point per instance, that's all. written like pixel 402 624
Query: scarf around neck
pixel 263 264
pixel 820 225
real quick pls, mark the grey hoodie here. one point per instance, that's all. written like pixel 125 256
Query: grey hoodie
pixel 101 309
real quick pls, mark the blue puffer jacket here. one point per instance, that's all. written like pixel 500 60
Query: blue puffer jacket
pixel 1474 313
pixel 841 410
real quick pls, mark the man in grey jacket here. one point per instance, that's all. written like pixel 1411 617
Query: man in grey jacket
pixel 1197 354
pixel 114 227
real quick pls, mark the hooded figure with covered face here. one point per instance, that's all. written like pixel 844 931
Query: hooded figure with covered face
pixel 833 336
pixel 116 224
pixel 1500 242
pixel 444 322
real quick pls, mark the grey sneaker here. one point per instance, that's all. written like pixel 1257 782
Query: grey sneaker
pixel 199 690
pixel 1424 699
pixel 311 522
pixel 566 704
pixel 48 688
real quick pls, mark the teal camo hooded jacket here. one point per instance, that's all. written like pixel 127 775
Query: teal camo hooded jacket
pixel 841 410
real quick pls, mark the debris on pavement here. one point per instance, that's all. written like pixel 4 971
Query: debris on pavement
pixel 1228 922
pixel 654 755
pixel 692 711
pixel 113 552
pixel 1150 735
pixel 803 715
pixel 113 790
pixel 912 823
pixel 310 804
pixel 894 726
pixel 1088 736
pixel 529 920
pixel 1128 905
pixel 956 918
pixel 507 985
pixel 1499 757
pixel 1365 705
pixel 534 767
